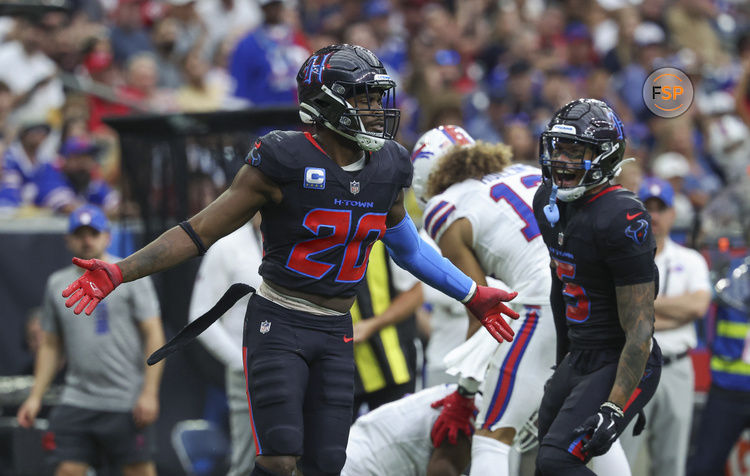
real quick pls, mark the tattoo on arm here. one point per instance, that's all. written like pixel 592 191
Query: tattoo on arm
pixel 635 307
pixel 249 191
pixel 171 248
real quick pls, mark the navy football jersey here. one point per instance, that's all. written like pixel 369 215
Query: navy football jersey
pixel 600 242
pixel 318 239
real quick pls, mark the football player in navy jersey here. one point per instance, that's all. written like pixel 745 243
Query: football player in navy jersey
pixel 324 199
pixel 603 286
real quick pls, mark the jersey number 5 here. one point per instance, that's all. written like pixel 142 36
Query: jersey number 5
pixel 578 311
pixel 368 230
pixel 502 191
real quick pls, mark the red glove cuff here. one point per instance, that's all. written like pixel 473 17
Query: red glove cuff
pixel 486 299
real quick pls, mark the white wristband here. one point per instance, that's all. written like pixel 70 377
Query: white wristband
pixel 472 291
pixel 614 407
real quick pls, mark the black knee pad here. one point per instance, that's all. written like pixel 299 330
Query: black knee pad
pixel 282 440
pixel 551 461
pixel 276 407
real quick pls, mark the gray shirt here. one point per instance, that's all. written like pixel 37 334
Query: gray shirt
pixel 104 351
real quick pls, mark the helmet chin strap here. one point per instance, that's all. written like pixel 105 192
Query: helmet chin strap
pixel 574 193
pixel 571 194
pixel 309 115
pixel 369 143
pixel 365 142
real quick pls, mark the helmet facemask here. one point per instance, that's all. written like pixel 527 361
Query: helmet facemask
pixel 581 171
pixel 349 108
pixel 526 438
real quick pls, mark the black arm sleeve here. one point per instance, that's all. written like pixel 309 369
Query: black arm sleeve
pixel 558 311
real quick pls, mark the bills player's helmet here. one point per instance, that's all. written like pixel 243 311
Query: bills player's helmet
pixel 589 123
pixel 526 438
pixel 427 152
pixel 337 73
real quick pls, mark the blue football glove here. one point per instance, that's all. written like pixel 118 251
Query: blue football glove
pixel 602 429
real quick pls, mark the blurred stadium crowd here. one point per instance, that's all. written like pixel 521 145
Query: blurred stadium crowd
pixel 499 68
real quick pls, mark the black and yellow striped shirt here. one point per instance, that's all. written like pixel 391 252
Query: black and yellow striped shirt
pixel 388 357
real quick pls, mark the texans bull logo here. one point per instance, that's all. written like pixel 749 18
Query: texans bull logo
pixel 637 231
pixel 254 155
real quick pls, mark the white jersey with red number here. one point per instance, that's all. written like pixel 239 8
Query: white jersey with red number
pixel 507 241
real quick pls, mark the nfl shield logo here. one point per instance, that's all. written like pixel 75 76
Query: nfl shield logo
pixel 354 187
pixel 265 326
pixel 560 238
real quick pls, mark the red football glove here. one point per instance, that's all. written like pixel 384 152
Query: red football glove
pixel 458 412
pixel 98 281
pixel 487 306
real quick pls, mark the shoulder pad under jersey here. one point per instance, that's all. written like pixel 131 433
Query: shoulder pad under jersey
pixel 400 162
pixel 277 154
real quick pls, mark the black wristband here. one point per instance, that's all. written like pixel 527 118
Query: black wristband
pixel 185 225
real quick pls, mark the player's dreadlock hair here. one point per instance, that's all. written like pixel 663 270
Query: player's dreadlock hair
pixel 461 163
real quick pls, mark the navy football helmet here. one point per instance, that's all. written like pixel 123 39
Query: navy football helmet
pixel 337 73
pixel 589 123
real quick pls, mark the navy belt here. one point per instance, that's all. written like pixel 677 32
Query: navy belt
pixel 670 359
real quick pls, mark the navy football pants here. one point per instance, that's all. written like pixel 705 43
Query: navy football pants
pixel 580 384
pixel 301 384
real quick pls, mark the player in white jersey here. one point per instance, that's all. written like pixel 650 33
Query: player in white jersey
pixel 448 328
pixel 394 439
pixel 479 212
